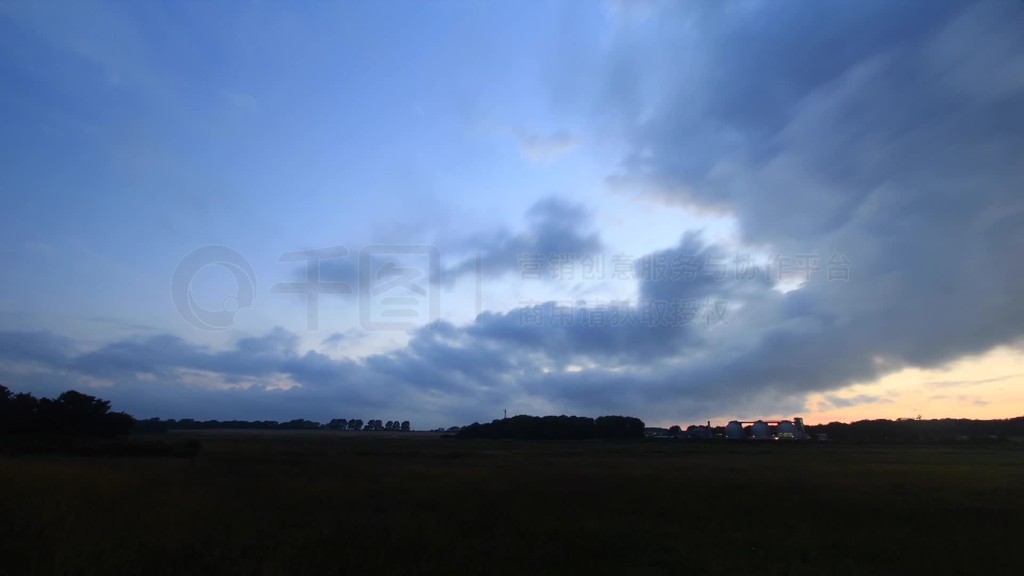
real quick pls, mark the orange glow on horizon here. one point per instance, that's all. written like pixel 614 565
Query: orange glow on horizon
pixel 985 387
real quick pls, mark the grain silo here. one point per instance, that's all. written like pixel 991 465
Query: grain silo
pixel 760 430
pixel 734 431
pixel 786 430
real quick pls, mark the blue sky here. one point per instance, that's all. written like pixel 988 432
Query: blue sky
pixel 886 135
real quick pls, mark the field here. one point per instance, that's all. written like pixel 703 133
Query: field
pixel 349 503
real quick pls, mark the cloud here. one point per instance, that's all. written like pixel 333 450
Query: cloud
pixel 35 348
pixel 261 376
pixel 538 148
pixel 843 402
pixel 554 228
pixel 887 134
pixel 589 358
pixel 967 383
pixel 338 339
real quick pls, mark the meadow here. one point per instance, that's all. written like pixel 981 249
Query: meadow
pixel 360 503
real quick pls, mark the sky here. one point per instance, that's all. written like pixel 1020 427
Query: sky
pixel 438 211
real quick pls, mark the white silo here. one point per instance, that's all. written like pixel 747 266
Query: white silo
pixel 786 430
pixel 734 431
pixel 760 431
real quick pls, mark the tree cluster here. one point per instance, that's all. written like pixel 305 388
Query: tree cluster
pixel 70 414
pixel 372 425
pixel 557 428
pixel 908 430
pixel 156 425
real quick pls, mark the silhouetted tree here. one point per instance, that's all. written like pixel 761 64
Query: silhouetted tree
pixel 619 427
pixel 405 426
pixel 300 424
pixel 7 410
pixel 71 413
pixel 557 428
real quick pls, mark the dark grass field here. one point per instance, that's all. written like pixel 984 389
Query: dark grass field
pixel 321 503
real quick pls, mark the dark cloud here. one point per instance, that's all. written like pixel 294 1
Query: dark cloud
pixel 554 228
pixel 556 333
pixel 162 355
pixel 258 377
pixel 890 133
pixel 35 348
pixel 724 79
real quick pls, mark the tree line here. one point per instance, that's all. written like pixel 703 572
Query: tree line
pixel 898 431
pixel 556 428
pixel 372 425
pixel 70 414
pixel 73 413
pixel 915 430
pixel 157 425
pixel 76 414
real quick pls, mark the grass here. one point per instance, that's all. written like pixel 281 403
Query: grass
pixel 291 503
